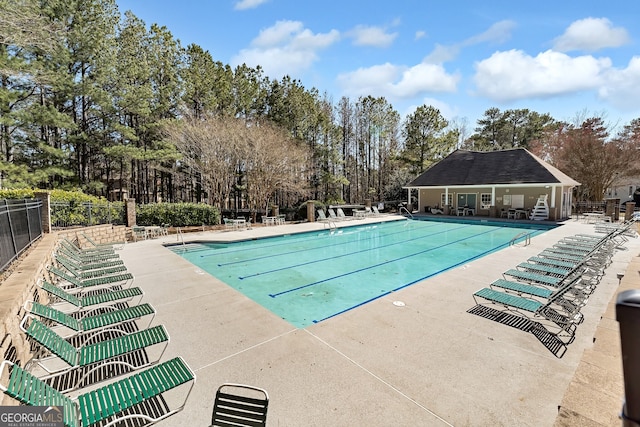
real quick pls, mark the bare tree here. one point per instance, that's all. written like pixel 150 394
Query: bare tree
pixel 274 162
pixel 590 156
pixel 219 150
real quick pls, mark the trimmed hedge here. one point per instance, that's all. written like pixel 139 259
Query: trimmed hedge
pixel 177 214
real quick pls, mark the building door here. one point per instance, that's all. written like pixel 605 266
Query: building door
pixel 467 199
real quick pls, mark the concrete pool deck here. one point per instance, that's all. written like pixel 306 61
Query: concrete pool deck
pixel 425 363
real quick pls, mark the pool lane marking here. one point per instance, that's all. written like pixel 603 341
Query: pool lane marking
pixel 326 234
pixel 315 248
pixel 343 255
pixel 435 273
pixel 382 263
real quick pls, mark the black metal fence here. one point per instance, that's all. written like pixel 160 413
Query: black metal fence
pixel 69 214
pixel 20 226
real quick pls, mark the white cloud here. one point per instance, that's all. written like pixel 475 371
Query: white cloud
pixel 441 54
pixel 371 36
pixel 497 33
pixel 622 88
pixel 420 34
pixel 285 48
pixel 512 75
pixel 398 81
pixel 248 4
pixel 591 34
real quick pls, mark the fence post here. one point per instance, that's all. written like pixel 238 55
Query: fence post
pixel 45 213
pixel 628 316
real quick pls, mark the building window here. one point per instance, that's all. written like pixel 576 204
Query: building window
pixel 449 201
pixel 485 201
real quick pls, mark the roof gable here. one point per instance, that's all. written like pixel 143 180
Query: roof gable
pixel 516 166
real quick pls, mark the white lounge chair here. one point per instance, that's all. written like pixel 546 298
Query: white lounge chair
pixel 342 216
pixel 321 215
pixel 332 215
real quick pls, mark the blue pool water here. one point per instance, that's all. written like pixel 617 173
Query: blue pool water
pixel 309 277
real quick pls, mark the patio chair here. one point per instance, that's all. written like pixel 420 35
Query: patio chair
pixel 60 357
pixel 436 211
pixel 239 405
pixel 376 211
pixel 140 399
pixel 120 279
pixel 84 325
pixel 139 233
pixel 94 299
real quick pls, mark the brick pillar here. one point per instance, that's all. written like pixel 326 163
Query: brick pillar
pixel 130 208
pixel 628 213
pixel 45 214
pixel 311 212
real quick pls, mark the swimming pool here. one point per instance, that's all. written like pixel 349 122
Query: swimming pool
pixel 309 277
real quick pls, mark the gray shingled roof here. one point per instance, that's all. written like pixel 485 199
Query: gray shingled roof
pixel 516 166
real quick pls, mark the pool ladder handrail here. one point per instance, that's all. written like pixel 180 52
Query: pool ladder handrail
pixel 179 236
pixel 527 241
pixel 332 225
pixel 407 210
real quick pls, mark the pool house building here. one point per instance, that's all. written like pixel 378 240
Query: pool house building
pixel 508 183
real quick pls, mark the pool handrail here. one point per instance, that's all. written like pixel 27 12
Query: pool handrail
pixel 407 210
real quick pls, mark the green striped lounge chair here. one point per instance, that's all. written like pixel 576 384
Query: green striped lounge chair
pixel 61 357
pixel 111 245
pixel 82 266
pixel 565 300
pixel 94 299
pixel 77 249
pixel 534 310
pixel 67 281
pixel 532 277
pixel 88 326
pixel 86 259
pixel 89 273
pixel 140 399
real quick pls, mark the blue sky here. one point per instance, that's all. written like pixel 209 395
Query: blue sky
pixel 566 58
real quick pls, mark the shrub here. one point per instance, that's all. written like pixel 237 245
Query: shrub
pixel 177 214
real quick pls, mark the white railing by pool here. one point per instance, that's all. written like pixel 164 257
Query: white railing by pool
pixel 525 234
pixel 406 210
pixel 332 225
